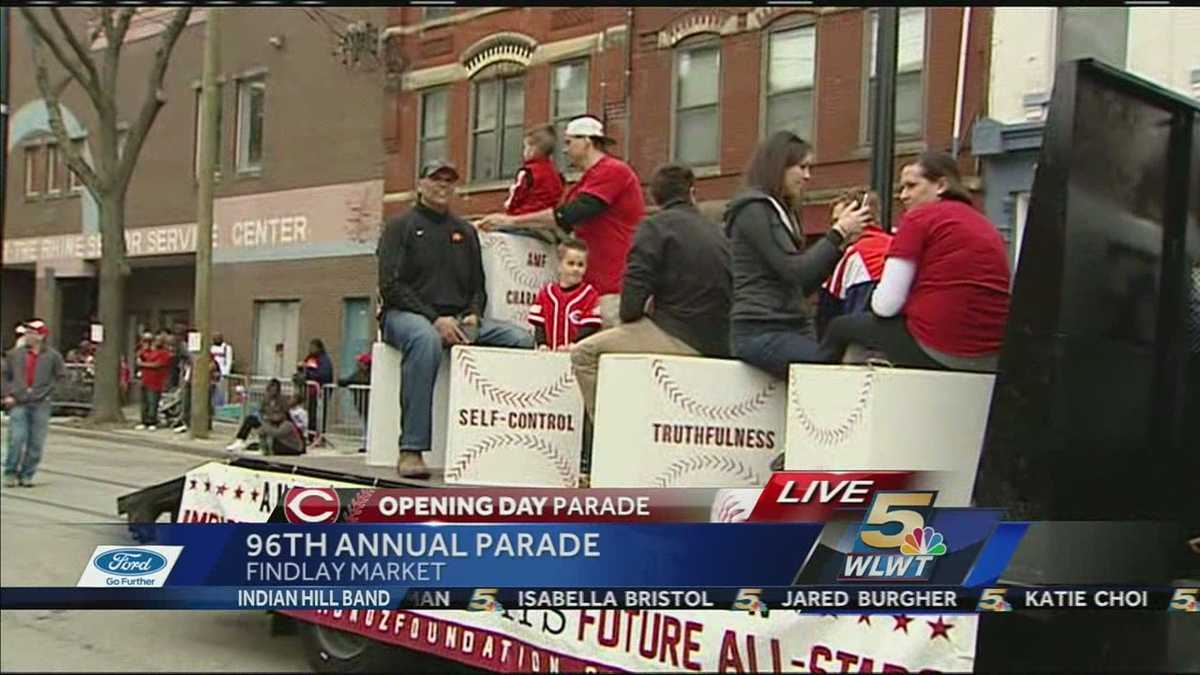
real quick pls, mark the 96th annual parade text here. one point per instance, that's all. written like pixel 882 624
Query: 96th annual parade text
pixel 394 556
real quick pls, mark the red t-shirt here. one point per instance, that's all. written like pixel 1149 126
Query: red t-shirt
pixel 154 377
pixel 958 302
pixel 537 186
pixel 31 359
pixel 563 312
pixel 610 233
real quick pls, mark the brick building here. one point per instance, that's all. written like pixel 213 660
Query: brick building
pixel 297 199
pixel 702 85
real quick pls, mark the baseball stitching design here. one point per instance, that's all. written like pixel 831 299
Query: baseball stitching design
pixel 562 465
pixel 837 434
pixel 723 413
pixel 706 461
pixel 509 263
pixel 358 505
pixel 516 399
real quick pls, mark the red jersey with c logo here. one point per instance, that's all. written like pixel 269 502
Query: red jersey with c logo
pixel 562 312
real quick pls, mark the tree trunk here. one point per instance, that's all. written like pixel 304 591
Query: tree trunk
pixel 106 401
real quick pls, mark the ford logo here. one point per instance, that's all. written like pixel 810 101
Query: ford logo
pixel 130 562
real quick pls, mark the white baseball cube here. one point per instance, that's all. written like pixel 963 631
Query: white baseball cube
pixel 516 418
pixel 515 267
pixel 856 418
pixel 683 421
pixel 384 416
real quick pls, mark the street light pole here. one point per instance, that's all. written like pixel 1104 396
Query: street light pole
pixel 883 133
pixel 201 401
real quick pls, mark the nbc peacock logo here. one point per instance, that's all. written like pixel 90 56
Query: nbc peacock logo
pixel 923 541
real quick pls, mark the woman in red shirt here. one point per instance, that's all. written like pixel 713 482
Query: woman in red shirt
pixel 154 363
pixel 943 299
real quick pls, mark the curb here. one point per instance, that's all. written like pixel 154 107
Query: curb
pixel 133 439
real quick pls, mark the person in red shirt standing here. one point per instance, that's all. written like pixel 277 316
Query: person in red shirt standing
pixel 603 209
pixel 943 299
pixel 538 184
pixel 154 363
pixel 566 311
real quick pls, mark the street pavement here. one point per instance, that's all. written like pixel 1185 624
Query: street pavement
pixel 47 535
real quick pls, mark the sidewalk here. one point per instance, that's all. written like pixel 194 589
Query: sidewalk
pixel 222 434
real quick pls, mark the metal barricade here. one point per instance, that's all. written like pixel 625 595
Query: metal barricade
pixel 344 411
pixel 73 394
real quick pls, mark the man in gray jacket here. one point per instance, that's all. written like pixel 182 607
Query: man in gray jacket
pixel 30 374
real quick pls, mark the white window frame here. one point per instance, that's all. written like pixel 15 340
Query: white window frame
pixel 869 22
pixel 560 121
pixel 245 87
pixel 422 139
pixel 53 159
pixel 699 43
pixel 785 26
pixel 32 155
pixel 501 128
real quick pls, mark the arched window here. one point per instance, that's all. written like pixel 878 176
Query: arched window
pixel 497 121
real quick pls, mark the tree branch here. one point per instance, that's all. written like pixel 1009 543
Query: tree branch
pixel 82 54
pixel 43 36
pixel 124 17
pixel 51 93
pixel 155 96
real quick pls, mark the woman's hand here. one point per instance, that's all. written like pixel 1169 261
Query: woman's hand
pixel 852 220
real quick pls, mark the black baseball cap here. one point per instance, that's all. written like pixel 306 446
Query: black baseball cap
pixel 438 166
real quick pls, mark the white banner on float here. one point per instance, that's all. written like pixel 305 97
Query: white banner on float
pixel 684 421
pixel 221 493
pixel 515 267
pixel 853 418
pixel 383 415
pixel 516 419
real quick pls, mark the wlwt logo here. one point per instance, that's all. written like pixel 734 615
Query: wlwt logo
pixel 306 506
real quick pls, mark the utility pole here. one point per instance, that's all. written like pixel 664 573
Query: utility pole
pixel 883 133
pixel 201 401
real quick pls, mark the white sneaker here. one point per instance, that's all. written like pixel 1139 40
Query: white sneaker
pixel 182 428
pixel 140 427
pixel 151 428
pixel 235 446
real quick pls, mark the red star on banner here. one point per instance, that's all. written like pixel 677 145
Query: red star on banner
pixel 192 484
pixel 208 486
pixel 939 628
pixel 221 489
pixel 237 494
pixel 865 618
pixel 902 621
pixel 254 495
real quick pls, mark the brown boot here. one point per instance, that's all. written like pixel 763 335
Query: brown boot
pixel 412 465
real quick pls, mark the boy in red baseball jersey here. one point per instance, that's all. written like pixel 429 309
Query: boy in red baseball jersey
pixel 538 184
pixel 568 310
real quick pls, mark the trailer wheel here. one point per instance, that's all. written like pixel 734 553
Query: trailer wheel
pixel 335 651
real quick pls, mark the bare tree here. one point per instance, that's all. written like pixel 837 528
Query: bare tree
pixel 107 178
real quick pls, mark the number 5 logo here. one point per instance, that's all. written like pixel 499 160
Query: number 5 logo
pixel 1186 600
pixel 993 600
pixel 907 509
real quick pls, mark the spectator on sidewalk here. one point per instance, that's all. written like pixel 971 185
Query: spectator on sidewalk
pixel 30 374
pixel 273 409
pixel 603 209
pixel 774 269
pixel 431 287
pixel 318 372
pixel 568 310
pixel 222 351
pixel 848 290
pixel 185 390
pixel 538 185
pixel 286 437
pixel 942 302
pixel 679 267
pixel 154 363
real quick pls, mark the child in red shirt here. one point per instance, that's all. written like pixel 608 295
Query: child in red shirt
pixel 153 363
pixel 538 184
pixel 568 310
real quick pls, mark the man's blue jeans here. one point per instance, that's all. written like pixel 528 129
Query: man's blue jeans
pixel 421 348
pixel 28 425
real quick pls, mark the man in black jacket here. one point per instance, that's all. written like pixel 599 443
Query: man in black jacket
pixel 677 290
pixel 431 286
